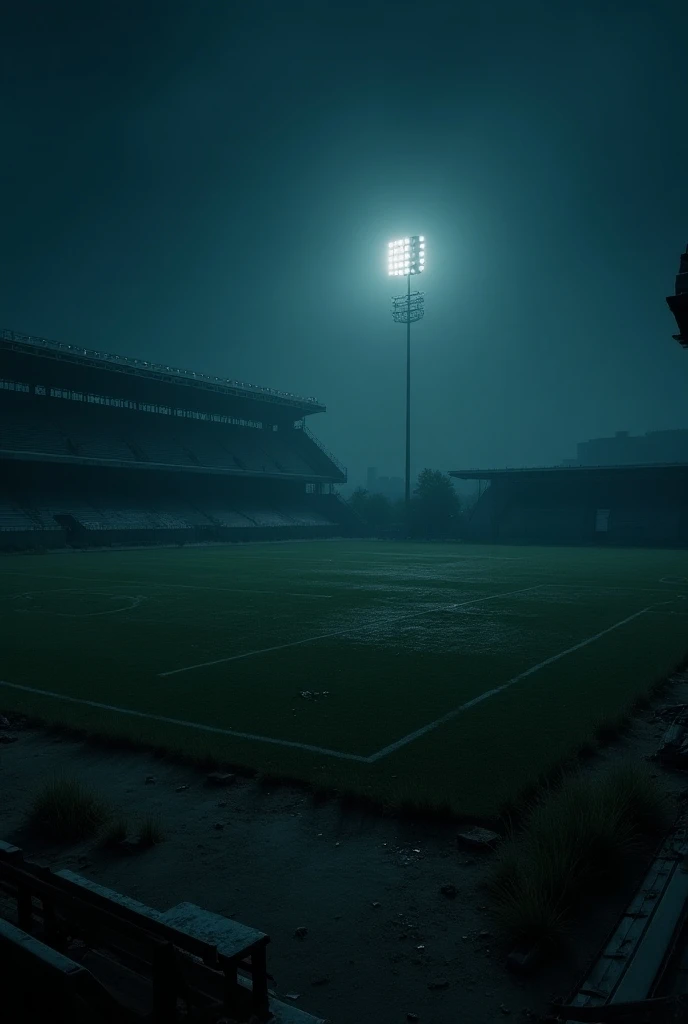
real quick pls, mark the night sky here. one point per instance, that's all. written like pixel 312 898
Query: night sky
pixel 213 184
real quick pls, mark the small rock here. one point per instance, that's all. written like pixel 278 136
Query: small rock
pixel 150 779
pixel 300 932
pixel 484 934
pixel 292 995
pixel 375 904
pixel 505 1009
pixel 321 981
pixel 6 738
pixel 219 825
pixel 219 778
pixel 480 837
pixel 450 891
pixel 412 1016
pixel 4 722
pixel 221 803
pixel 129 845
pixel 180 789
pixel 438 983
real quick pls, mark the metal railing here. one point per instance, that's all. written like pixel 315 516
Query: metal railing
pixel 142 364
pixel 326 452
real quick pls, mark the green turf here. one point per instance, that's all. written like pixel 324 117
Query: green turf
pixel 399 634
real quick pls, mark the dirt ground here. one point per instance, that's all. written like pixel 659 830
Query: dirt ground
pixel 382 940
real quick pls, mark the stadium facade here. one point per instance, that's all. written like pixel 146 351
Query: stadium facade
pixel 100 449
pixel 628 505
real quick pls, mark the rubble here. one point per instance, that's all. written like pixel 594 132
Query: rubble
pixel 481 838
pixel 219 778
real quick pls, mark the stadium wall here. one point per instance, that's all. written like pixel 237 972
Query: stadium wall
pixel 641 506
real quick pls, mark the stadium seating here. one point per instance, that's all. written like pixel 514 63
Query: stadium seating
pixel 78 430
pixel 14 518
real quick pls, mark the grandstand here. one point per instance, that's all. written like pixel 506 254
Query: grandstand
pixel 628 505
pixel 101 449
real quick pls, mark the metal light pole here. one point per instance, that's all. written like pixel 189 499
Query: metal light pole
pixel 406 257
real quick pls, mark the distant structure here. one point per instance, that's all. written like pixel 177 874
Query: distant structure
pixel 391 486
pixel 658 447
pixel 678 303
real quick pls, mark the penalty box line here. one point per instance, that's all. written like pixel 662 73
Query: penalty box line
pixel 326 751
pixel 345 630
pixel 392 747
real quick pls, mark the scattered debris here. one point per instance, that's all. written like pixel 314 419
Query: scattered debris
pixel 300 932
pixel 4 722
pixel 292 995
pixel 450 891
pixel 375 904
pixel 505 1009
pixel 219 778
pixel 150 779
pixel 180 789
pixel 421 948
pixel 412 1016
pixel 438 983
pixel 314 694
pixel 6 738
pixel 484 934
pixel 479 837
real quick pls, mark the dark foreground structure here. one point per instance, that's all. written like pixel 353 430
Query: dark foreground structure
pixel 678 302
pixel 643 505
pixel 98 449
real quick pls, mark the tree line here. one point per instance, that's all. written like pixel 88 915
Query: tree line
pixel 435 510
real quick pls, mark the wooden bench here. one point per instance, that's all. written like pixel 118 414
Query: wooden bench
pixel 49 981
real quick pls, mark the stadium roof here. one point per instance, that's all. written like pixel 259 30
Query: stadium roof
pixel 490 474
pixel 28 345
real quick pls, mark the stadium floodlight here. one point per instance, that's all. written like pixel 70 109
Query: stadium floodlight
pixel 406 257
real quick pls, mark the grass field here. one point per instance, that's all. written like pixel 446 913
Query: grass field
pixel 455 674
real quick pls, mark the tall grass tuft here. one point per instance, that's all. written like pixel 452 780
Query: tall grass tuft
pixel 151 832
pixel 574 841
pixel 65 811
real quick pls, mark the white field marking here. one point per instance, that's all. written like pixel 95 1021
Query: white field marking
pixel 187 725
pixel 499 689
pixel 340 632
pixel 158 583
pixel 134 603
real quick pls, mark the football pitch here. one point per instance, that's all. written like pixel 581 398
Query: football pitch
pixel 444 674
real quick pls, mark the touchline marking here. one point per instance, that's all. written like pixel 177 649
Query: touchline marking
pixel 187 725
pixel 341 632
pixel 498 689
pixel 158 583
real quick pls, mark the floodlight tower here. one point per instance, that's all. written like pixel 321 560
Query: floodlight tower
pixel 406 257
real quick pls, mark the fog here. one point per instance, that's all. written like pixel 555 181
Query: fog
pixel 213 185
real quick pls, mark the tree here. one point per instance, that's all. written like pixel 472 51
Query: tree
pixel 374 509
pixel 436 506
